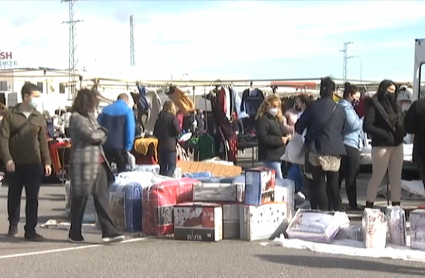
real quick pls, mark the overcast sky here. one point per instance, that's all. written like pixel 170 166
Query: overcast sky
pixel 257 39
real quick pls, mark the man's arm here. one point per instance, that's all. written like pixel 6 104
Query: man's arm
pixel 4 138
pixel 44 146
pixel 130 130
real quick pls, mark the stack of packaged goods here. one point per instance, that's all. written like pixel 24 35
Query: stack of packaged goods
pixel 248 207
pixel 125 198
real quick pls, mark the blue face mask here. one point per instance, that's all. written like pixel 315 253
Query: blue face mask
pixel 32 103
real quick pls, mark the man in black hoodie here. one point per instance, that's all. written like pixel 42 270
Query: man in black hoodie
pixel 414 122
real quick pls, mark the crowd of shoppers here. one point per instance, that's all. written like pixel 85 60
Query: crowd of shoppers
pixel 330 137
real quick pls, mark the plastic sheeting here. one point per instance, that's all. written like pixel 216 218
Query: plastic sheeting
pixel 352 248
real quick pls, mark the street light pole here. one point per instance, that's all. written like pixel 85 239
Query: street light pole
pixel 361 66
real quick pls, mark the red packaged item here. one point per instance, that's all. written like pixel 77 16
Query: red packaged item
pixel 158 202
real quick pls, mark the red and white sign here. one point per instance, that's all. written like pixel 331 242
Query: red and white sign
pixel 5 55
pixel 6 60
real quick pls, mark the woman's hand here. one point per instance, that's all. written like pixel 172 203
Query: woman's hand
pixel 286 138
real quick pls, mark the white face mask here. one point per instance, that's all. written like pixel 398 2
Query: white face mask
pixel 273 111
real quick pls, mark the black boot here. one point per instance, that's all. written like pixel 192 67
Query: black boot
pixel 369 204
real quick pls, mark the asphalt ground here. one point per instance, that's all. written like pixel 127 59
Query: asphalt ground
pixel 152 257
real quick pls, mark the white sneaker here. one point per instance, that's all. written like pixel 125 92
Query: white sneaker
pixel 299 199
pixel 113 239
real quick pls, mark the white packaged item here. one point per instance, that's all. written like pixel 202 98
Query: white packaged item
pixel 353 232
pixel 261 222
pixel 147 168
pixel 131 161
pixel 417 229
pixel 316 226
pixel 177 173
pixel 374 226
pixel 396 226
pixel 284 191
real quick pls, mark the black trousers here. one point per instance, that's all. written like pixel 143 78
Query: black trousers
pixel 101 203
pixel 67 132
pixel 348 171
pixel 167 163
pixel 28 176
pixel 119 157
pixel 325 190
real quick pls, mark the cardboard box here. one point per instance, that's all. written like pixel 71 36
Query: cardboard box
pixel 259 186
pixel 231 221
pixel 217 192
pixel 198 222
pixel 216 169
pixel 261 222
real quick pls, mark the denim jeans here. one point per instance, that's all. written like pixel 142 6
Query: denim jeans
pixel 275 165
pixel 167 163
pixel 294 173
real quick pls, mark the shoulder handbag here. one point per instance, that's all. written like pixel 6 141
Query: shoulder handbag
pixel 13 133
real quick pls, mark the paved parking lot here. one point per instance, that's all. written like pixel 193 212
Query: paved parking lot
pixel 150 257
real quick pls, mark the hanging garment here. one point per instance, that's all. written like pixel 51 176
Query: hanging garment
pixel 156 106
pixel 181 100
pixel 180 118
pixel 221 99
pixel 143 110
pixel 237 103
pixel 224 126
pixel 251 101
pixel 227 105
pixel 233 149
pixel 143 100
pixel 206 147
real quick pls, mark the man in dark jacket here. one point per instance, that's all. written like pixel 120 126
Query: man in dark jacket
pixel 24 148
pixel 118 119
pixel 414 122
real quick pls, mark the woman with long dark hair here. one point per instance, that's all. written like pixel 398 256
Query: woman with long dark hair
pixel 384 123
pixel 324 120
pixel 353 142
pixel 90 171
pixel 167 130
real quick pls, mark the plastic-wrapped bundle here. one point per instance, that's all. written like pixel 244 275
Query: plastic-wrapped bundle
pixel 374 226
pixel 396 226
pixel 353 232
pixel 417 229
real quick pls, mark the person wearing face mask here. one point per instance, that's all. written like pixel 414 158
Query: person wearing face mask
pixel 353 141
pixel 384 123
pixel 91 173
pixel 23 144
pixel 271 134
pixel 324 121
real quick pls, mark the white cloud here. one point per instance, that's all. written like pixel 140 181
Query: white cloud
pixel 231 32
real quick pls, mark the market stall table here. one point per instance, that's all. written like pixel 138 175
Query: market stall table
pixel 253 145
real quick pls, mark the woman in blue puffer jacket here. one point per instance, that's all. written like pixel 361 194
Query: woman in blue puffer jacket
pixel 353 141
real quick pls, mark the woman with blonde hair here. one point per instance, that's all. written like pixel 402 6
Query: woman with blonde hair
pixel 167 130
pixel 271 135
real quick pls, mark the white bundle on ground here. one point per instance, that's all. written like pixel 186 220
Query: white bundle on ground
pixel 417 229
pixel 353 232
pixel 396 226
pixel 374 225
